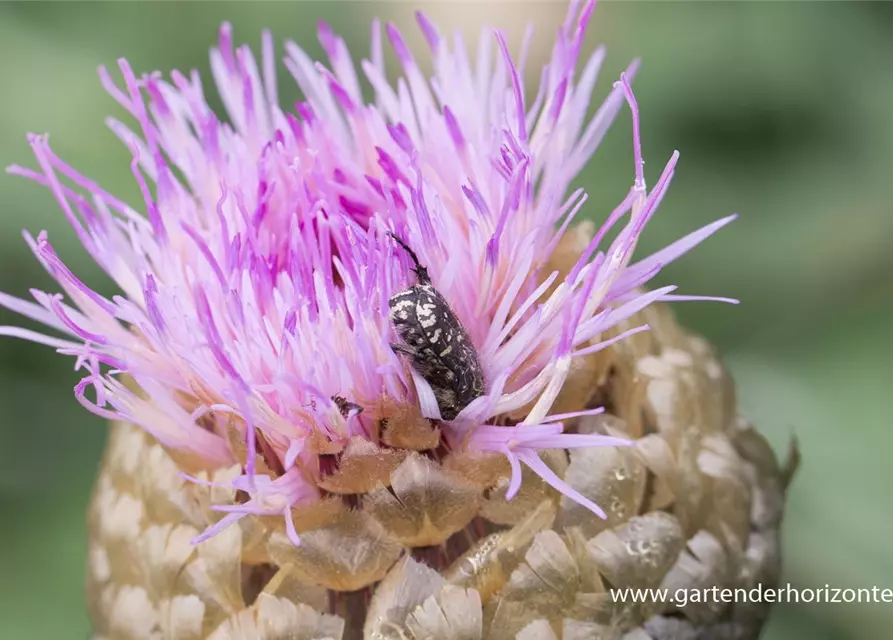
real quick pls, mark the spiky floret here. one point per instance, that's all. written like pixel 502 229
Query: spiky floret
pixel 257 272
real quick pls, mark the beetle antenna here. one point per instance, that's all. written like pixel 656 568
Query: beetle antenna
pixel 420 271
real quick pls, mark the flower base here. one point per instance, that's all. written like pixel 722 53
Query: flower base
pixel 697 503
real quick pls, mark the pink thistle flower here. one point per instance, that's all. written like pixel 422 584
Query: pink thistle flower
pixel 256 273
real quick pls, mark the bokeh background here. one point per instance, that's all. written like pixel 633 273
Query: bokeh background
pixel 782 111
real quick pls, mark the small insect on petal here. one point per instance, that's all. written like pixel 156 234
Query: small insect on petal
pixel 348 409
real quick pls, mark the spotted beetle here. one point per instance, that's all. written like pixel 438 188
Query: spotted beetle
pixel 436 342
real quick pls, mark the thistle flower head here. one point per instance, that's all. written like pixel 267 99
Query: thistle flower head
pixel 253 322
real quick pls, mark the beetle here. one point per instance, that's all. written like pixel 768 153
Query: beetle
pixel 435 341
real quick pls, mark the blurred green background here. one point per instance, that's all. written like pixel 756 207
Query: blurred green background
pixel 782 111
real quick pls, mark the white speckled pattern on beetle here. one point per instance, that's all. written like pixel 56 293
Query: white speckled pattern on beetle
pixel 437 343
